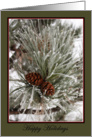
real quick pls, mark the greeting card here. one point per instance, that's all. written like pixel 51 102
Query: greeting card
pixel 46 73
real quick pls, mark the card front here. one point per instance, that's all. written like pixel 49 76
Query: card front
pixel 46 74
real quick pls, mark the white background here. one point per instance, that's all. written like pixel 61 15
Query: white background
pixel 22 3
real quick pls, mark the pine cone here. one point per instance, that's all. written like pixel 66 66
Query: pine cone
pixel 47 88
pixel 34 78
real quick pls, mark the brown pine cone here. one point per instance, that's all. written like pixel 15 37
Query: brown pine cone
pixel 47 88
pixel 34 78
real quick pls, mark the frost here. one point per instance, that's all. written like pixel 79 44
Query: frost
pixel 55 52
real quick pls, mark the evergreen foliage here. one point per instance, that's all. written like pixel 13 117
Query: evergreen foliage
pixel 46 47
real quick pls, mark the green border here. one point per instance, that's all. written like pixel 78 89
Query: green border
pixel 74 129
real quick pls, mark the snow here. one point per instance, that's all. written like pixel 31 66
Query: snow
pixel 76 22
pixel 14 75
pixel 78 44
pixel 76 114
pixel 78 48
pixel 11 53
pixel 26 117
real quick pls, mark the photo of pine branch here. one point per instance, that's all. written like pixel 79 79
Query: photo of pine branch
pixel 46 70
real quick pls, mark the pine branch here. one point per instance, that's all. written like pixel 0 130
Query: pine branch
pixel 48 50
